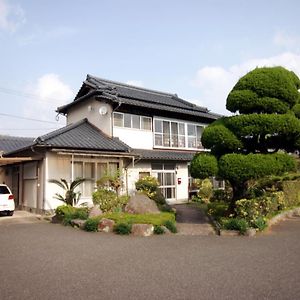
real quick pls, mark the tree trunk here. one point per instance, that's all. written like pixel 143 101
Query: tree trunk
pixel 238 192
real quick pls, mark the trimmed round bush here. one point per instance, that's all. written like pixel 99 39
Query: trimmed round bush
pixel 277 83
pixel 220 139
pixel 203 166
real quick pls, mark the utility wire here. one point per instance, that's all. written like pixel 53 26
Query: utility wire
pixel 29 119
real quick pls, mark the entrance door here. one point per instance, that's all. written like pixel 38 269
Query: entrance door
pixel 165 173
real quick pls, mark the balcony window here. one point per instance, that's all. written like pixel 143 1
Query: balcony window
pixel 172 134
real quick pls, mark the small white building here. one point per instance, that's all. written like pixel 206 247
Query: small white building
pixel 110 126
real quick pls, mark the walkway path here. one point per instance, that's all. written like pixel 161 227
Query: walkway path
pixel 192 221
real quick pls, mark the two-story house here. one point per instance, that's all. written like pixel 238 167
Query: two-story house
pixel 111 126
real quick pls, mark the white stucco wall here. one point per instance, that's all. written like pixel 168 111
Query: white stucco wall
pixel 56 167
pixel 140 139
pixel 90 109
pixel 133 175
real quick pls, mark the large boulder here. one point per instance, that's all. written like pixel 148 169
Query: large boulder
pixel 106 225
pixel 141 204
pixel 95 211
pixel 142 229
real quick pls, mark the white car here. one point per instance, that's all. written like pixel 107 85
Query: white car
pixel 7 202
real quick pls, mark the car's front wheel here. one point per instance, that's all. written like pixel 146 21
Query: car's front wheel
pixel 10 213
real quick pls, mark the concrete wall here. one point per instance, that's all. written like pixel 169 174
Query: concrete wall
pixel 90 110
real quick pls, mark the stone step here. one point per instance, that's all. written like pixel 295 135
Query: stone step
pixel 195 229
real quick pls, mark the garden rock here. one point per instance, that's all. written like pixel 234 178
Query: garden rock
pixel 141 204
pixel 95 211
pixel 166 230
pixel 78 223
pixel 142 229
pixel 250 232
pixel 106 225
pixel 56 219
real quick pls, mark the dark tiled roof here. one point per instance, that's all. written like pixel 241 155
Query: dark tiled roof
pixel 82 135
pixel 12 143
pixel 137 96
pixel 163 154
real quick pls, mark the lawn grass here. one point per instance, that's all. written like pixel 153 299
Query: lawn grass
pixel 154 219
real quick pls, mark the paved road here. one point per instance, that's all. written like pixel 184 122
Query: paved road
pixel 44 261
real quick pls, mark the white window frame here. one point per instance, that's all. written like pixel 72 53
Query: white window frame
pixel 131 122
pixel 186 136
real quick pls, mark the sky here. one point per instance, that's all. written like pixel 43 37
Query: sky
pixel 196 49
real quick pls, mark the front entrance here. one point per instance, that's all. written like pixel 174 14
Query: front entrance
pixel 166 175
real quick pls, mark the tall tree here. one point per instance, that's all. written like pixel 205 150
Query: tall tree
pixel 267 106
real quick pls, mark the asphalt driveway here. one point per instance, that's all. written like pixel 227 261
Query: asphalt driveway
pixel 45 261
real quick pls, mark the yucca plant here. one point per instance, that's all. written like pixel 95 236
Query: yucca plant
pixel 71 197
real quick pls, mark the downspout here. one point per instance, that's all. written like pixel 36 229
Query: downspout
pixel 126 171
pixel 111 118
pixel 72 167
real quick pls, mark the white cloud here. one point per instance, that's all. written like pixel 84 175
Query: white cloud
pixel 47 93
pixel 11 16
pixel 215 82
pixel 138 83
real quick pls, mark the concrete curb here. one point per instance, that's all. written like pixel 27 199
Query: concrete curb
pixel 295 212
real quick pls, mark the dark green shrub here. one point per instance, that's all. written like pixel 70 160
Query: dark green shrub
pixel 67 213
pixel 260 224
pixel 159 198
pixel 236 224
pixel 122 228
pixel 203 166
pixel 91 224
pixel 81 213
pixel 158 230
pixel 171 226
pixel 165 208
pixel 217 209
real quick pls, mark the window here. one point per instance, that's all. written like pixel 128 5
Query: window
pixel 132 121
pixel 118 119
pixel 165 174
pixel 143 174
pixel 92 171
pixel 177 134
